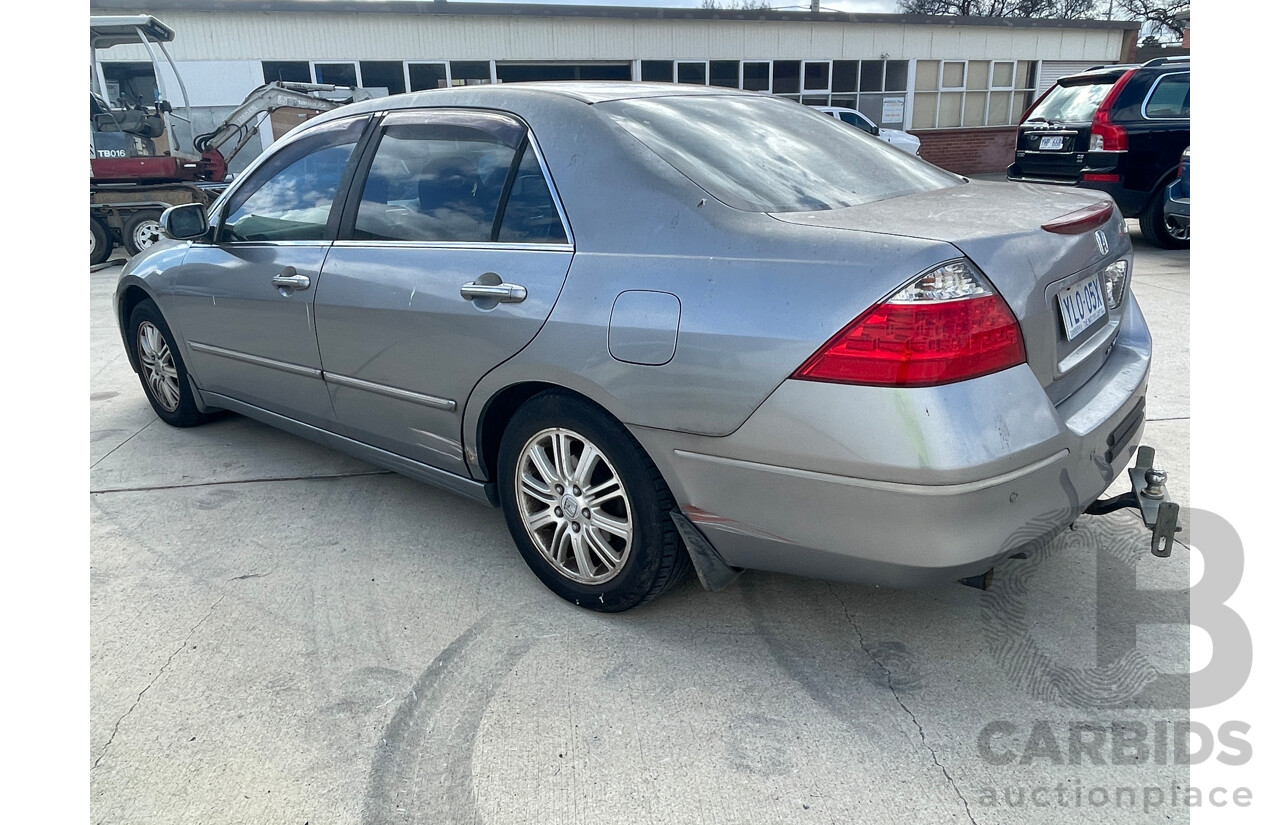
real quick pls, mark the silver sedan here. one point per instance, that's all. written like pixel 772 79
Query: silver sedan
pixel 662 326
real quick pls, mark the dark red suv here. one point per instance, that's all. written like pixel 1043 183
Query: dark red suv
pixel 1118 129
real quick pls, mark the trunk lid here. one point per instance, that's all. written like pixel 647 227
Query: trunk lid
pixel 997 226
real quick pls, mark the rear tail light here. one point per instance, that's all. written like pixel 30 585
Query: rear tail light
pixel 944 326
pixel 1105 136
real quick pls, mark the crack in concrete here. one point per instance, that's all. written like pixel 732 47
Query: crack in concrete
pixel 267 480
pixel 888 676
pixel 116 728
pixel 122 443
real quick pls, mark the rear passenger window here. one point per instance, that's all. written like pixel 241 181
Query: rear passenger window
pixel 437 179
pixel 1170 98
pixel 530 215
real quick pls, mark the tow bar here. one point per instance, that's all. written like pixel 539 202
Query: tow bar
pixel 1150 498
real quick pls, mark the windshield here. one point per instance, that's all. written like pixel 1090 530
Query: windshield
pixel 765 154
pixel 1071 104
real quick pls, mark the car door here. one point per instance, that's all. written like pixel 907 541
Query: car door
pixel 448 262
pixel 244 301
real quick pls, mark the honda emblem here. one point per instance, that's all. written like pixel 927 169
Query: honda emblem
pixel 1101 239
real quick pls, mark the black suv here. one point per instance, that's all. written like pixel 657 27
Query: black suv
pixel 1119 129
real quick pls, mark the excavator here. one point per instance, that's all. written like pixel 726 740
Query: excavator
pixel 143 155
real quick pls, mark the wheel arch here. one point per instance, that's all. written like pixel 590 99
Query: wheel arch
pixel 496 414
pixel 130 297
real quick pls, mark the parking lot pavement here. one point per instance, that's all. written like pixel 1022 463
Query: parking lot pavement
pixel 283 634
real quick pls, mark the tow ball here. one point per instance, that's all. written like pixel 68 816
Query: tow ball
pixel 1150 498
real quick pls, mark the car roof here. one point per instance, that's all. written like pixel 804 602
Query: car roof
pixel 587 91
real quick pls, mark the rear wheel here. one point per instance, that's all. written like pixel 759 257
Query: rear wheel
pixel 1160 230
pixel 588 510
pixel 100 243
pixel 160 367
pixel 141 232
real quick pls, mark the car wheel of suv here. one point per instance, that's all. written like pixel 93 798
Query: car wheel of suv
pixel 1158 229
pixel 588 510
pixel 164 376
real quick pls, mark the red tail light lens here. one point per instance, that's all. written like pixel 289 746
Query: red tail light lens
pixel 943 327
pixel 1105 136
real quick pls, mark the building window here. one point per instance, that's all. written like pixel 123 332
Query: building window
pixel 691 71
pixel 424 76
pixel 470 72
pixel 286 71
pixel 383 74
pixel 972 94
pixel 817 76
pixel 786 78
pixel 724 73
pixel 755 76
pixel 339 74
pixel 656 71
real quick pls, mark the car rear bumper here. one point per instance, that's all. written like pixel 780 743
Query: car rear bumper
pixel 905 487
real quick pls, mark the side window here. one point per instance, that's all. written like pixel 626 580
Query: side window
pixel 530 215
pixel 289 198
pixel 1171 98
pixel 853 120
pixel 438 176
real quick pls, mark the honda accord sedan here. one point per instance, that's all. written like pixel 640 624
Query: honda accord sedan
pixel 662 326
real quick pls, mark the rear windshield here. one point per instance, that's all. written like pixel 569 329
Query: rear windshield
pixel 765 154
pixel 1071 104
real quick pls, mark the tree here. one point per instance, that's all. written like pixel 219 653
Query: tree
pixel 1053 9
pixel 1161 15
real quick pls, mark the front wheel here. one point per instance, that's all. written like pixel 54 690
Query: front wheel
pixel 1160 230
pixel 588 510
pixel 160 367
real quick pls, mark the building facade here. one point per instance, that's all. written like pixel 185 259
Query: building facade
pixel 960 84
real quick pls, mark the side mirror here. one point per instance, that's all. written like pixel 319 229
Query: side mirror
pixel 875 130
pixel 185 222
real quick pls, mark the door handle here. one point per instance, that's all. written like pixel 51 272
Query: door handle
pixel 290 279
pixel 503 292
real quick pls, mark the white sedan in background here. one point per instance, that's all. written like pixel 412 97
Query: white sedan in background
pixel 894 137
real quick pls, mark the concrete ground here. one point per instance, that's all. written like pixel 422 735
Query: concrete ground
pixel 281 634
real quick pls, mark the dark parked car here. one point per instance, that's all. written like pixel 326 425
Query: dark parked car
pixel 1177 199
pixel 1119 129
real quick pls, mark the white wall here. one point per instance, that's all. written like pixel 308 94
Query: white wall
pixel 319 36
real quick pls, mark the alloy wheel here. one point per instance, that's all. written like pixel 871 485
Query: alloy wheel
pixel 158 368
pixel 574 506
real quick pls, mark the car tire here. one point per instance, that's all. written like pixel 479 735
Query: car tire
pixel 100 242
pixel 600 535
pixel 141 232
pixel 160 368
pixel 1158 229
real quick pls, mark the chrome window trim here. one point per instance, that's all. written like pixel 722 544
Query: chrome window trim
pixel 1150 92
pixel 493 246
pixel 435 402
pixel 257 360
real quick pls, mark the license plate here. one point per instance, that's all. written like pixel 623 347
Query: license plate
pixel 1081 305
pixel 1051 142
